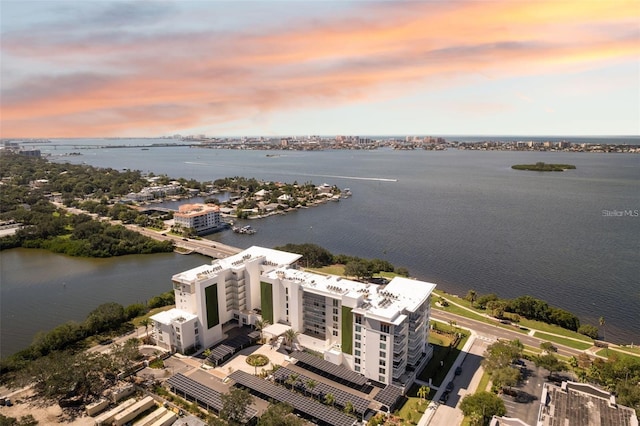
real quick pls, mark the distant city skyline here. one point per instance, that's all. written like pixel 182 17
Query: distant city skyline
pixel 157 68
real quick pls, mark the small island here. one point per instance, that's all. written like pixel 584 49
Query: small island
pixel 544 167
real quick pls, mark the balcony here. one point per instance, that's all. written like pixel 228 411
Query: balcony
pixel 399 330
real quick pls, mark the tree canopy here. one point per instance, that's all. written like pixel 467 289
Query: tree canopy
pixel 234 405
pixel 482 406
pixel 279 414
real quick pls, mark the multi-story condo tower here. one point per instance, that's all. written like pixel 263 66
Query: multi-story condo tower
pixel 380 331
pixel 200 217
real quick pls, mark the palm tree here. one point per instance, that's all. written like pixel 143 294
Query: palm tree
pixel 311 384
pixel 472 295
pixel 206 353
pixel 423 392
pixel 146 322
pixel 292 379
pixel 290 336
pixel 348 407
pixel 329 399
pixel 260 325
pixel 601 321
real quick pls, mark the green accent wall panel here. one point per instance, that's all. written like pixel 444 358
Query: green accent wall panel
pixel 266 301
pixel 211 301
pixel 347 330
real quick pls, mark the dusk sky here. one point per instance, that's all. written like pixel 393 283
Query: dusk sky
pixel 153 68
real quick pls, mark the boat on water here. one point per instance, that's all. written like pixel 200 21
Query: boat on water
pixel 346 193
pixel 247 229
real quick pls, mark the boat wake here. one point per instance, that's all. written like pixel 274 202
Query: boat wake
pixel 356 178
pixel 375 179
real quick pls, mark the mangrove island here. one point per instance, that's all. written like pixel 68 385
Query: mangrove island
pixel 543 167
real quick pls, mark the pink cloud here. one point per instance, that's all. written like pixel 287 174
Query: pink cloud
pixel 143 84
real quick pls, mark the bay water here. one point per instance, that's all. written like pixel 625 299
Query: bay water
pixel 461 219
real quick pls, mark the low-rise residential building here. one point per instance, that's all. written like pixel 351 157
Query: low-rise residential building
pixel 379 331
pixel 572 403
pixel 202 218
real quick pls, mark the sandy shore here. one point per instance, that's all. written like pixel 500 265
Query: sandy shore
pixel 45 414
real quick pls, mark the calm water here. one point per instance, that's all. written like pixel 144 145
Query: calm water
pixel 461 219
pixel 41 290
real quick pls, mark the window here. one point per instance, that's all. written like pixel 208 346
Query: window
pixel 357 368
pixel 382 370
pixel 383 338
pixel 357 344
pixel 336 302
pixel 335 333
pixel 286 290
pixel 381 379
pixel 383 346
pixel 335 318
pixel 383 354
pixel 335 311
pixel 357 352
pixel 358 337
pixel 383 362
pixel 196 331
pixel 358 329
pixel 357 360
pixel 385 328
pixel 358 319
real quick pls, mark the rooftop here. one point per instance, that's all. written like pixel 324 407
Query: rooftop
pixel 273 258
pixel 173 315
pixel 383 302
pixel 581 404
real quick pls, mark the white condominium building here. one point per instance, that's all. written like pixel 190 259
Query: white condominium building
pixel 380 331
pixel 201 217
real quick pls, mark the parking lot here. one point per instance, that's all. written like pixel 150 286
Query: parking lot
pixel 525 406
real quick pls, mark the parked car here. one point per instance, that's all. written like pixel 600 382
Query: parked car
pixel 444 397
pixel 449 387
pixel 458 371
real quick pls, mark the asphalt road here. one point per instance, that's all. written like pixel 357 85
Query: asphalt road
pixel 494 332
pixel 204 247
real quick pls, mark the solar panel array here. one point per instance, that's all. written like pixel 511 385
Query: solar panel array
pixel 323 414
pixel 203 395
pixel 389 396
pixel 337 373
pixel 223 351
pixel 321 389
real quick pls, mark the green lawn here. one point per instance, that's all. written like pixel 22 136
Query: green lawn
pixel 442 353
pixel 524 323
pixel 608 352
pixel 414 407
pixel 634 349
pixel 137 321
pixel 550 328
pixel 567 342
pixel 329 270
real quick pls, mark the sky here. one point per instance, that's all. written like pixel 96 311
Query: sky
pixel 291 68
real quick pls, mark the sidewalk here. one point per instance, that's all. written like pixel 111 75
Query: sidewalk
pixel 431 409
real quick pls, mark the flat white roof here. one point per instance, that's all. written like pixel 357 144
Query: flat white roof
pixel 413 293
pixel 167 317
pixel 276 329
pixel 275 258
pixel 385 303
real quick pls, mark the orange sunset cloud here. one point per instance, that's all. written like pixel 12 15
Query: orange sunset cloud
pixel 138 84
